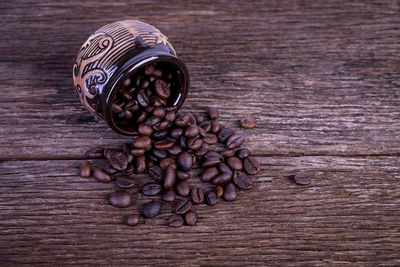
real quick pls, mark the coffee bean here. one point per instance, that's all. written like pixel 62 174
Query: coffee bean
pixel 192 131
pixel 120 199
pixel 156 173
pixel 109 169
pixel 151 209
pixel 162 89
pixel 169 177
pixel 153 120
pixel 242 180
pixel 157 73
pixel 182 121
pixel 164 163
pixel 191 218
pixel 182 175
pixel 242 153
pixel 213 113
pixel 202 132
pixel 142 99
pixel 170 116
pixel 159 153
pixel 230 192
pixel 194 143
pixel 210 139
pixel 206 126
pixel 137 151
pixel 251 165
pixel 211 162
pixel 161 125
pixel 101 176
pixel 151 189
pixel 182 142
pixel 145 129
pixel 235 141
pixel 219 190
pixel 128 115
pixel 126 83
pixel 222 178
pixel 248 122
pixel 202 151
pixel 199 117
pixel 149 70
pixel 118 160
pixel 95 152
pixel 129 170
pixel 140 164
pixel 228 153
pixel 215 127
pixel 155 101
pixel 224 168
pixel 142 117
pixel 127 96
pixel 169 195
pixel 160 135
pixel 234 163
pixel 124 182
pixel 145 84
pixel 131 220
pixel 209 173
pixel 302 178
pixel 176 132
pixel 224 134
pixel 197 195
pixel 185 161
pixel 192 119
pixel 142 141
pixel 164 144
pixel 116 108
pixel 182 188
pixel 175 150
pixel 213 154
pixel 183 206
pixel 175 221
pixel 211 198
pixel 159 112
pixel 150 163
pixel 86 169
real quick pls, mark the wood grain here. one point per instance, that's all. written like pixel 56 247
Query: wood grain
pixel 322 80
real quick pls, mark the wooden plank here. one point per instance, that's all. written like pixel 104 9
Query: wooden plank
pixel 348 215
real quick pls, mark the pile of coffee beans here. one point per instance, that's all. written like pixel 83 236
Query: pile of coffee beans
pixel 167 147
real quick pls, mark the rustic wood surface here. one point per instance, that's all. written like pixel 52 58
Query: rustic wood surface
pixel 322 78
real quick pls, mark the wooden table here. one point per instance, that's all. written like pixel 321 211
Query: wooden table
pixel 322 80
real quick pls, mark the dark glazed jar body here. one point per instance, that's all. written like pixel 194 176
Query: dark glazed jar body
pixel 116 51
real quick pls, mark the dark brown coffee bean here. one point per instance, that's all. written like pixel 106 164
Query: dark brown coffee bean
pixel 224 134
pixel 194 143
pixel 242 153
pixel 176 132
pixel 211 198
pixel 175 221
pixel 197 195
pixel 182 175
pixel 234 163
pixel 235 141
pixel 192 119
pixel 169 195
pixel 182 188
pixel 230 192
pixel 126 83
pixel 222 178
pixel 131 220
pixel 150 163
pixel 202 151
pixel 95 152
pixel 213 154
pixel 224 168
pixel 86 169
pixel 128 115
pixel 124 182
pixel 155 101
pixel 142 99
pixel 192 131
pixel 153 120
pixel 145 129
pixel 202 132
pixel 175 150
pixel 109 169
pixel 151 209
pixel 159 154
pixel 169 177
pixel 145 84
pixel 251 165
pixel 185 161
pixel 209 173
pixel 159 112
pixel 118 160
pixel 191 218
pixel 157 72
pixel 164 163
pixel 182 121
pixel 120 199
pixel 138 151
pixel 161 135
pixel 101 176
pixel 161 125
pixel 206 126
pixel 116 108
pixel 164 144
pixel 149 70
pixel 162 89
pixel 242 180
pixel 210 139
pixel 127 96
pixel 228 153
pixel 302 178
pixel 151 189
pixel 182 142
pixel 170 116
pixel 199 117
pixel 215 127
pixel 130 169
pixel 149 109
pixel 140 164
pixel 156 173
pixel 219 190
pixel 211 162
pixel 142 141
pixel 213 113
pixel 142 117
pixel 248 122
pixel 183 206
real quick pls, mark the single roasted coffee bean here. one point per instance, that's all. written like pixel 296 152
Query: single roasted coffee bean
pixel 210 139
pixel 160 135
pixel 199 117
pixel 86 169
pixel 142 99
pixel 162 89
pixel 126 83
pixel 191 218
pixel 95 152
pixel 175 150
pixel 126 95
pixel 192 119
pixel 156 173
pixel 140 164
pixel 235 141
pixel 101 176
pixel 213 154
pixel 185 161
pixel 209 173
pixel 183 206
pixel 248 122
pixel 224 134
pixel 211 162
pixel 153 120
pixel 219 190
pixel 142 117
pixel 145 129
pixel 138 151
pixel 159 153
pixel 234 163
pixel 228 153
pixel 175 221
pixel 149 70
pixel 194 143
pixel 151 189
pixel 302 178
pixel 116 108
pixel 151 209
pixel 170 116
pixel 150 163
pixel 169 177
pixel 242 153
pixel 182 175
pixel 169 195
pixel 124 182
pixel 251 165
pixel 109 169
pixel 149 109
pixel 155 101
pixel 130 169
pixel 120 199
pixel 242 180
pixel 142 141
pixel 164 144
pixel 176 132
pixel 211 198
pixel 230 192
pixel 222 178
pixel 159 112
pixel 206 126
pixel 213 113
pixel 202 132
pixel 182 188
pixel 202 151
pixel 131 220
pixel 164 163
pixel 215 127
pixel 197 195
pixel 182 142
pixel 161 125
pixel 118 160
pixel 192 131
pixel 224 168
